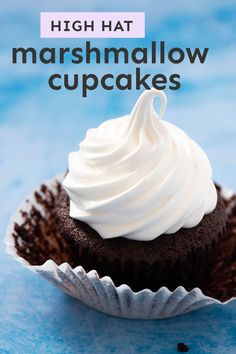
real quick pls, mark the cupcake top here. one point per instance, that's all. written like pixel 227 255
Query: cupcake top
pixel 139 177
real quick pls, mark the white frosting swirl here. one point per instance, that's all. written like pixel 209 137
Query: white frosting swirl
pixel 139 177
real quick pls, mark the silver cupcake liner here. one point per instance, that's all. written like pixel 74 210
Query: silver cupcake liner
pixel 101 293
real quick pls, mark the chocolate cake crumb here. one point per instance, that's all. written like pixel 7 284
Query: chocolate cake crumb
pixel 182 347
pixel 170 260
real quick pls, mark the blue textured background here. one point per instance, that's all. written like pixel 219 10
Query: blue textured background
pixel 38 127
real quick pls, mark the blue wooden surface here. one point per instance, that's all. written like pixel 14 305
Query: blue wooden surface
pixel 38 128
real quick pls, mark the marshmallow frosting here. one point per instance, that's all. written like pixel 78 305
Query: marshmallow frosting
pixel 139 177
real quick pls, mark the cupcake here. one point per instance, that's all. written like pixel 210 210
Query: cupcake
pixel 139 202
pixel 135 224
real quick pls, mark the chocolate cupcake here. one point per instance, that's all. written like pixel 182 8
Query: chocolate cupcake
pixel 182 258
pixel 139 229
pixel 34 238
pixel 141 205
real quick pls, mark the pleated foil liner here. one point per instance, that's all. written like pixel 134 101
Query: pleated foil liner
pixel 101 293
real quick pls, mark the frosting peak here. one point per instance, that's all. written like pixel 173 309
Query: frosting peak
pixel 139 177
